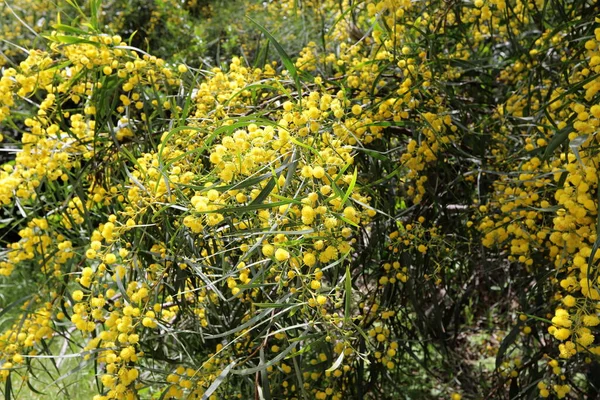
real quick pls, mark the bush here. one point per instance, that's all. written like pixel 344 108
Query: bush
pixel 402 204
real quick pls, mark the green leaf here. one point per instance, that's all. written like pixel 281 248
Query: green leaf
pixel 350 188
pixel 14 304
pixel 262 196
pixel 349 222
pixel 596 245
pixel 33 389
pixel 94 12
pixel 163 395
pixel 348 295
pixel 67 39
pixel 218 381
pixel 255 86
pixel 559 138
pixel 121 287
pixel 311 149
pixel 272 305
pixel 275 360
pixel 506 342
pixel 8 387
pixel 82 366
pixel 69 29
pixel 337 363
pixel 265 390
pixel 576 144
pixel 285 58
pixel 249 207
pixel 298 372
pixel 238 328
pixel 547 321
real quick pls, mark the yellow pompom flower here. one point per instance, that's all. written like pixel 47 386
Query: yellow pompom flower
pixel 77 295
pixel 318 172
pixel 309 259
pixel 282 255
pixel 569 301
pixel 562 333
pixel 591 320
pixel 268 250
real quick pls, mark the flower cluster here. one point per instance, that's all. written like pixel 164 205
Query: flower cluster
pixel 314 227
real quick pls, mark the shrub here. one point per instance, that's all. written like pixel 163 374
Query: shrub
pixel 402 205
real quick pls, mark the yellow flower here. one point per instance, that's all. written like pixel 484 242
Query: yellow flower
pixel 77 295
pixel 569 301
pixel 309 259
pixel 591 320
pixel 268 250
pixel 562 333
pixel 282 255
pixel 318 172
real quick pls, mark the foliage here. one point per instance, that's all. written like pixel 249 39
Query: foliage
pixel 400 204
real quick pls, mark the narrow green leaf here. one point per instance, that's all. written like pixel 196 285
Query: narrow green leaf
pixel 34 390
pixel 547 321
pixel 337 363
pixel 121 287
pixel 14 304
pixel 346 220
pixel 255 86
pixel 249 207
pixel 506 342
pixel 596 245
pixel 272 305
pixel 312 149
pixel 298 372
pixel 82 366
pixel 262 196
pixel 69 29
pixel 248 323
pixel 8 387
pixel 275 360
pixel 67 39
pixel 576 144
pixel 218 381
pixel 348 297
pixel 285 58
pixel 94 12
pixel 164 393
pixel 559 138
pixel 350 187
pixel 265 390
